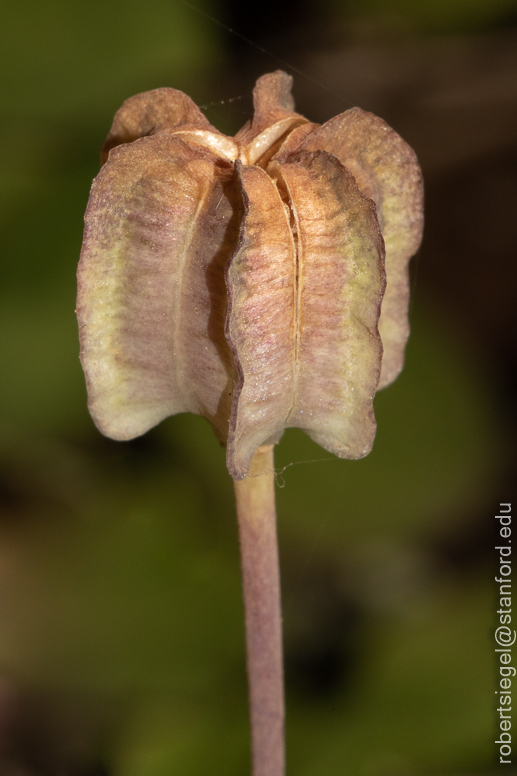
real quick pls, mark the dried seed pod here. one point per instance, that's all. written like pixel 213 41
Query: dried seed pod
pixel 386 170
pixel 242 278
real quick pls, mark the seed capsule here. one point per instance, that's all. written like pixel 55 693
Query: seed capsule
pixel 243 278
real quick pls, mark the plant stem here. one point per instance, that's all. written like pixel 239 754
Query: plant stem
pixel 255 499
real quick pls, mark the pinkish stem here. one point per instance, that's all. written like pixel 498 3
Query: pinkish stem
pixel 255 499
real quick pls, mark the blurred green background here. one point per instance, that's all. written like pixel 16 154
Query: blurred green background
pixel 121 633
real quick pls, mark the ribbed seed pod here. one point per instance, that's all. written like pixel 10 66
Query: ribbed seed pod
pixel 243 279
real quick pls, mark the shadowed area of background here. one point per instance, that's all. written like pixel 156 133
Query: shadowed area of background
pixel 121 632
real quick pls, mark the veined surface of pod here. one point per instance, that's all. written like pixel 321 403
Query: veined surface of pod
pixel 243 278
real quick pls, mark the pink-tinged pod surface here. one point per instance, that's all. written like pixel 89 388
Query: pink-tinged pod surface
pixel 386 170
pixel 273 119
pixel 340 284
pixel 161 222
pixel 261 324
pixel 242 278
pixel 151 112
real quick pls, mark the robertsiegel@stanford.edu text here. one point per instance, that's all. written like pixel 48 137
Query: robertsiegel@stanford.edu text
pixel 504 635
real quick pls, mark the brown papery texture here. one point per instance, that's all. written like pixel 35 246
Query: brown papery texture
pixel 386 170
pixel 160 225
pixel 341 281
pixel 261 326
pixel 148 113
pixel 272 102
pixel 259 281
